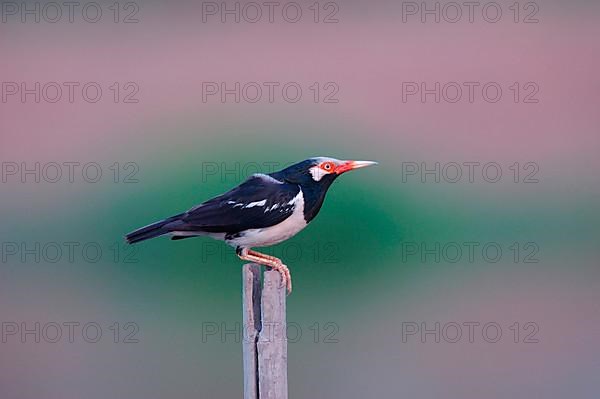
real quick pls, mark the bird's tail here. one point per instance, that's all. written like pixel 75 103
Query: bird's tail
pixel 153 230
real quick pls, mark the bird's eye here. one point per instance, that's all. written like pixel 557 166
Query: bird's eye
pixel 328 166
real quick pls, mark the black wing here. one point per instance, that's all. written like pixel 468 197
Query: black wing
pixel 259 202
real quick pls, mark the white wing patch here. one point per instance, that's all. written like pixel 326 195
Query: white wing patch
pixel 250 205
pixel 257 203
pixel 272 208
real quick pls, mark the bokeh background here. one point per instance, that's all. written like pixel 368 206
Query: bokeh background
pixel 356 285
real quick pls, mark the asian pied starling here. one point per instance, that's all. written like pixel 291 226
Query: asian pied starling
pixel 264 210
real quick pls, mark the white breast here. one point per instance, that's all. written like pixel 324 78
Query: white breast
pixel 274 234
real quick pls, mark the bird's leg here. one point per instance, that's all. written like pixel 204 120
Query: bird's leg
pixel 270 261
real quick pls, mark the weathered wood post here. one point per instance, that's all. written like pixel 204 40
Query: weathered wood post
pixel 264 341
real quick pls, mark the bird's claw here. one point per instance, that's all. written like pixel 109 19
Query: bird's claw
pixel 286 277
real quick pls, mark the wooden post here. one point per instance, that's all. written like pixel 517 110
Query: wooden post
pixel 265 341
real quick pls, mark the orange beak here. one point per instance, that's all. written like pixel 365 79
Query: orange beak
pixel 351 165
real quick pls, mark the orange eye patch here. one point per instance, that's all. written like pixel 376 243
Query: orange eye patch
pixel 327 166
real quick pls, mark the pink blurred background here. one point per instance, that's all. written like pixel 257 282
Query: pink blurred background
pixel 368 55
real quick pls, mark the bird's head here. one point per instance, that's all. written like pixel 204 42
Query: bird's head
pixel 320 171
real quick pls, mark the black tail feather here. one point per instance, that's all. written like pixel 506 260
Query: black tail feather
pixel 154 230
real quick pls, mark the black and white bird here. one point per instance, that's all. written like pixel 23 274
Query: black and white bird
pixel 264 210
